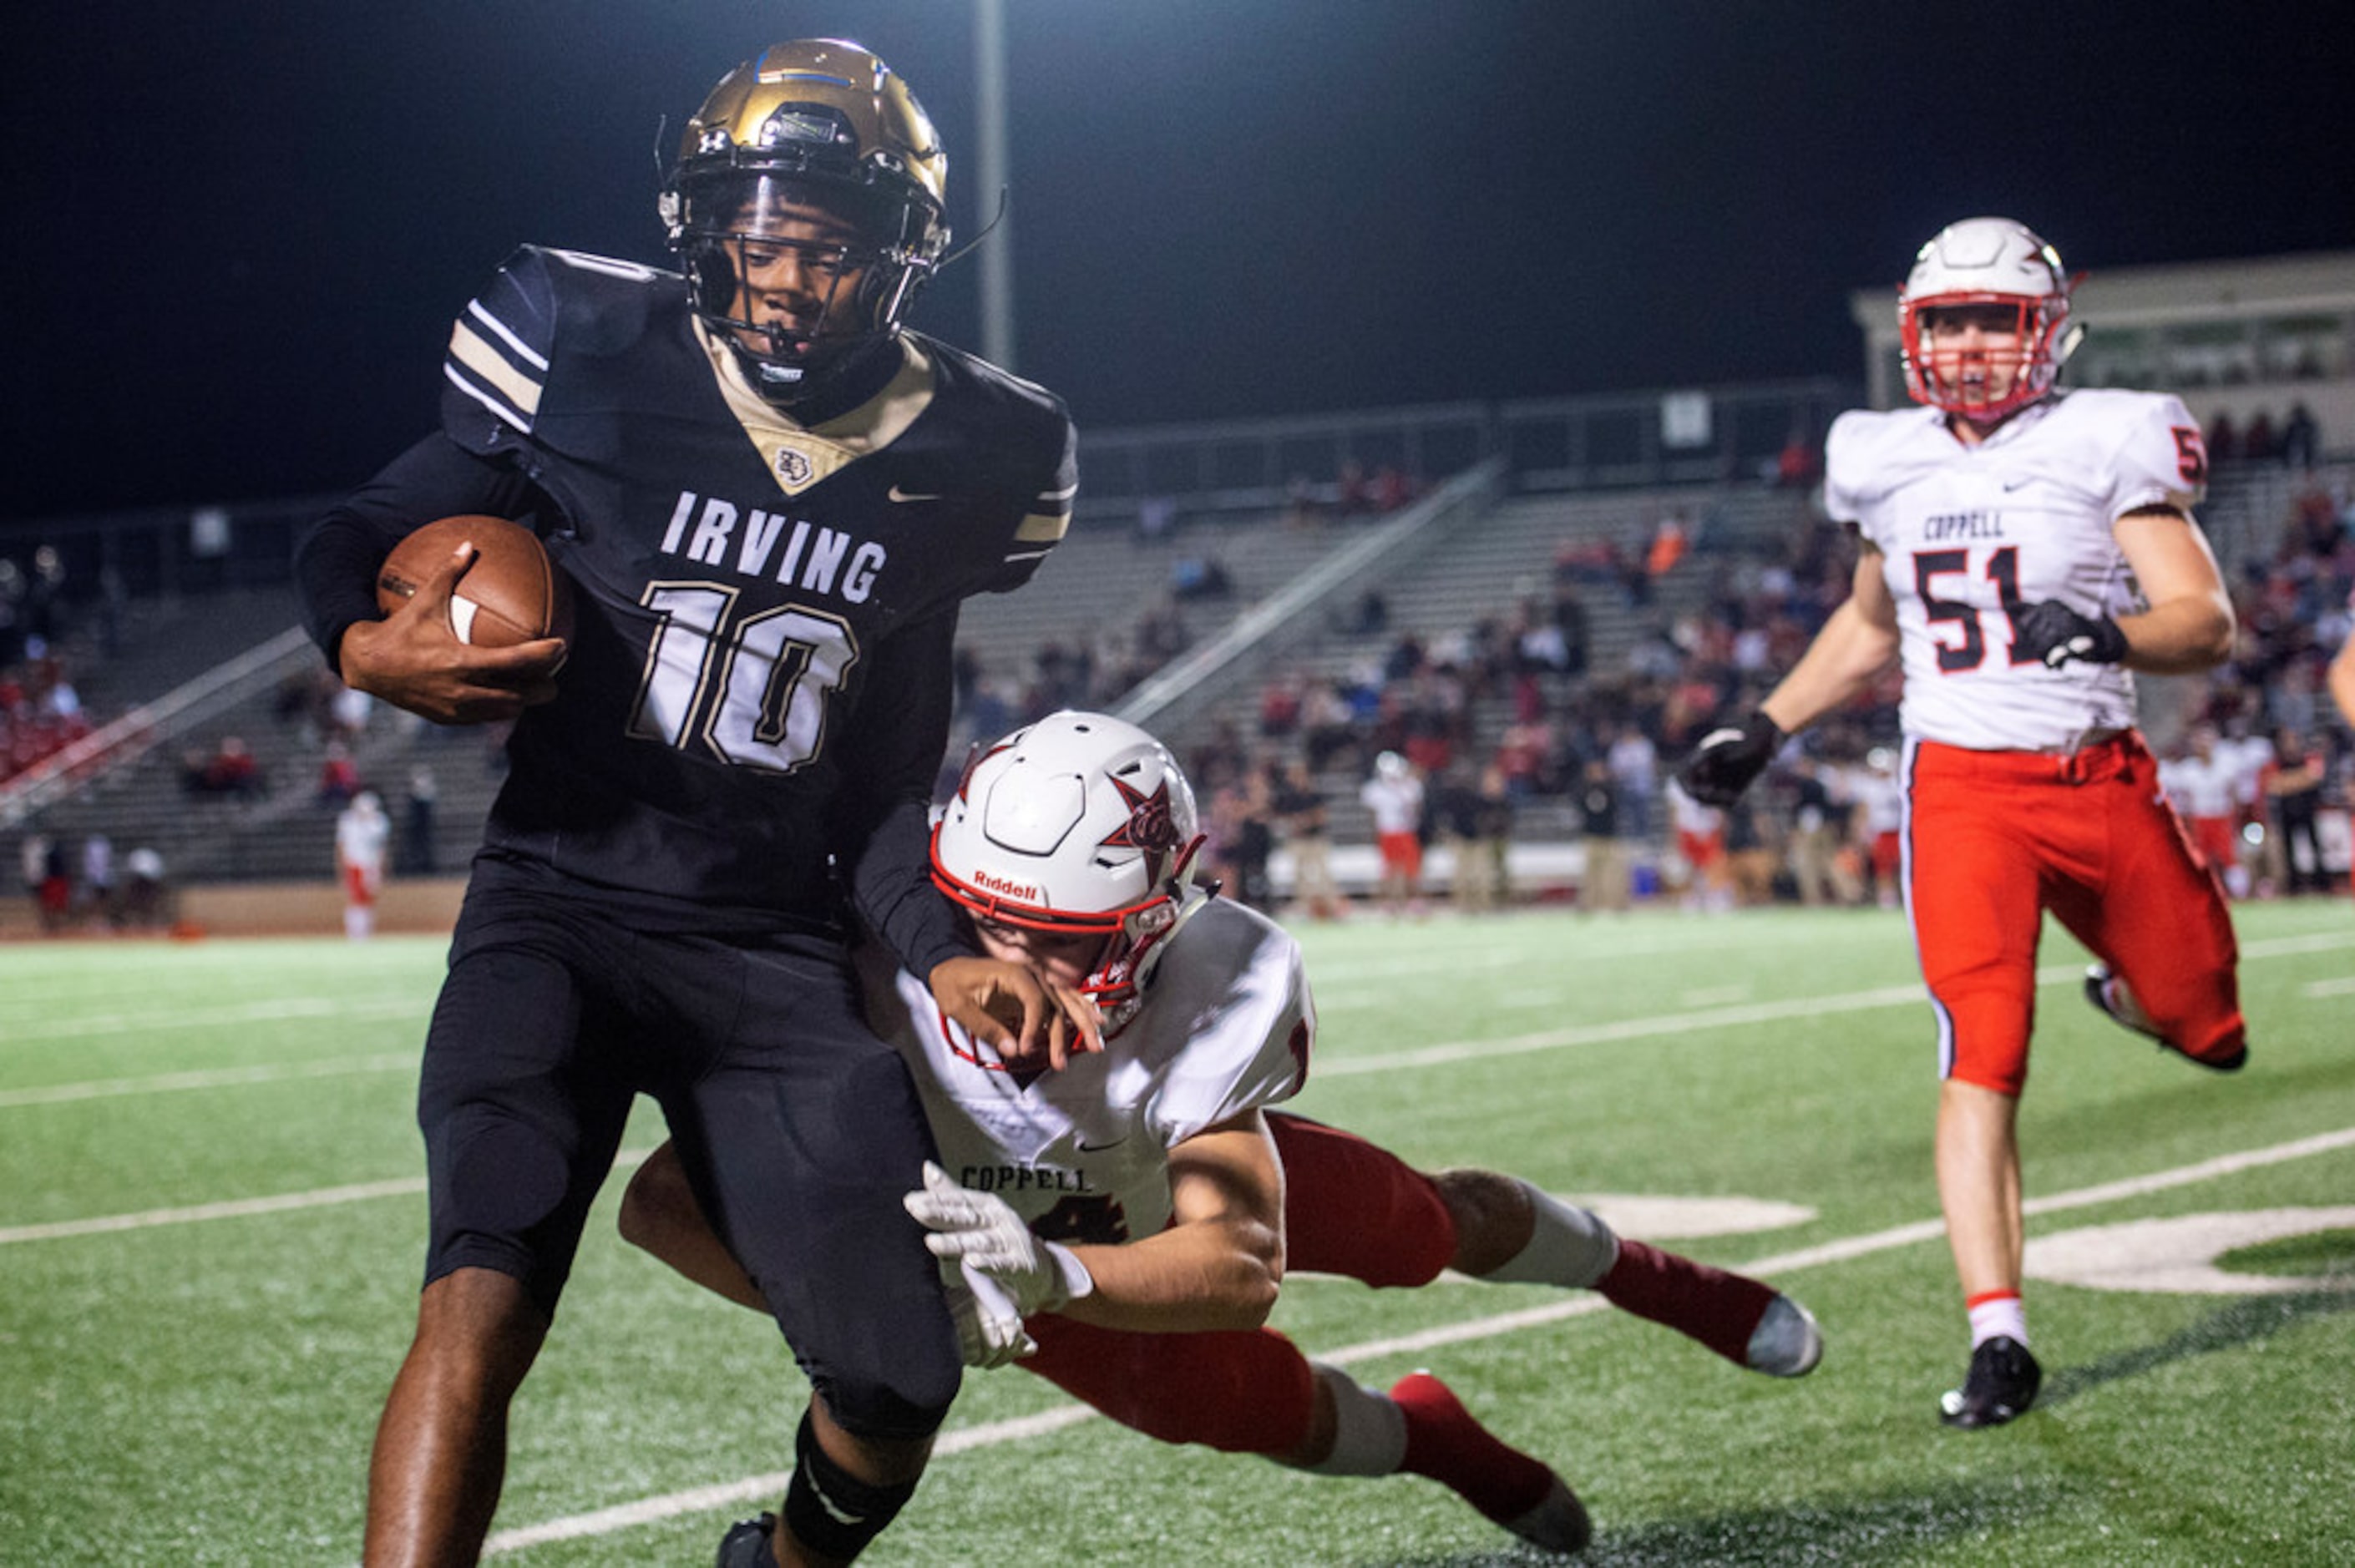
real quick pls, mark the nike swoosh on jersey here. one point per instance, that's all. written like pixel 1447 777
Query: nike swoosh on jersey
pixel 1100 1148
pixel 900 495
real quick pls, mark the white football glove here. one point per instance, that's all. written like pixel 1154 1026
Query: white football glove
pixel 989 1330
pixel 987 1238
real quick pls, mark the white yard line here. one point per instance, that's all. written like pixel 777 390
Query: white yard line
pixel 275 1010
pixel 1428 1055
pixel 1733 1016
pixel 245 1208
pixel 207 1078
pixel 761 1487
pixel 1698 1013
pixel 233 1209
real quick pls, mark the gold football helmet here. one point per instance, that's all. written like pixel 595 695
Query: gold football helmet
pixel 814 126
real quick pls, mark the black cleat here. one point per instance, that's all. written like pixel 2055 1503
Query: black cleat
pixel 746 1544
pixel 2108 996
pixel 2003 1383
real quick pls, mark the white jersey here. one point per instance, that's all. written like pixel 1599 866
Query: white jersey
pixel 2248 757
pixel 360 838
pixel 1689 815
pixel 2198 787
pixel 1084 1154
pixel 1879 800
pixel 1966 534
pixel 1396 803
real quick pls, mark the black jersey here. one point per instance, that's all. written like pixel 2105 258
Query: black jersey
pixel 759 672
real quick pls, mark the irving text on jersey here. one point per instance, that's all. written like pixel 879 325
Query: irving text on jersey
pixel 796 552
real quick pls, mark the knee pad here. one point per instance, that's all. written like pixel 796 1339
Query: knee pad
pixel 829 1510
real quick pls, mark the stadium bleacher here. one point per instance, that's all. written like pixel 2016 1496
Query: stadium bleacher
pixel 1111 577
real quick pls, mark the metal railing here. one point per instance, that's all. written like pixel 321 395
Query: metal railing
pixel 132 736
pixel 1207 673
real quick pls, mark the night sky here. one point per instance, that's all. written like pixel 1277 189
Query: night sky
pixel 240 230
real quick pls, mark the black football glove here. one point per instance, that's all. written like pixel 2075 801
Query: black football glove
pixel 1729 757
pixel 2051 632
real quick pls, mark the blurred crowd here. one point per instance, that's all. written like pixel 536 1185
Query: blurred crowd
pixel 40 712
pixel 1511 721
pixel 1511 725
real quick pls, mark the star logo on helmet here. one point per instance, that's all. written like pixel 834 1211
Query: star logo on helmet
pixel 1150 830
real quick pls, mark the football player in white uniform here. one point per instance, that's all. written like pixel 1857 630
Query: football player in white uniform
pixel 361 833
pixel 1122 1226
pixel 2005 533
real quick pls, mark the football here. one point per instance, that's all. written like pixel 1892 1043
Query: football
pixel 511 594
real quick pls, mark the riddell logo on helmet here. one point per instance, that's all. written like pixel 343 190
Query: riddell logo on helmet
pixel 1009 889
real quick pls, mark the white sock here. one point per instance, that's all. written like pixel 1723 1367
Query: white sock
pixel 1993 1315
pixel 1569 1246
pixel 1369 1430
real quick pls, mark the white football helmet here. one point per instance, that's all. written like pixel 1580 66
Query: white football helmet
pixel 1079 823
pixel 1987 261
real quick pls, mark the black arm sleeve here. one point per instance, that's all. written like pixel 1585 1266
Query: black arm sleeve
pixel 337 556
pixel 883 824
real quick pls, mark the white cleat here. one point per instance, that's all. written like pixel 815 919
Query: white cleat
pixel 1786 1342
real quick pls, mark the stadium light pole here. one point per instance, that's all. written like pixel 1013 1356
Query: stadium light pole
pixel 997 244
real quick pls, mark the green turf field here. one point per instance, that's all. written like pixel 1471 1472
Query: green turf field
pixel 211 1213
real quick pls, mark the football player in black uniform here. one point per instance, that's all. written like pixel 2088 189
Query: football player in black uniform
pixel 770 498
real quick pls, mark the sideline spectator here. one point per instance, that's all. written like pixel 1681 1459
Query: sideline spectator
pixel 2291 789
pixel 1303 819
pixel 1636 768
pixel 146 898
pixel 2301 438
pixel 98 879
pixel 55 895
pixel 33 861
pixel 1492 842
pixel 1750 857
pixel 418 856
pixel 2224 438
pixel 1605 884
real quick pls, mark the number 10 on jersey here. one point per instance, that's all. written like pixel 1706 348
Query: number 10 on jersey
pixel 761 683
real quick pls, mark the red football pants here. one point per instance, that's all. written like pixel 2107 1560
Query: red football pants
pixel 1995 837
pixel 1350 1208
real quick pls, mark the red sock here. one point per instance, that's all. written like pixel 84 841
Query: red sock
pixel 1446 1443
pixel 1719 1309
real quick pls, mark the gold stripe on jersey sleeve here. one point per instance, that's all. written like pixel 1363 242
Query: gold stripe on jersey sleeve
pixel 488 364
pixel 1043 528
